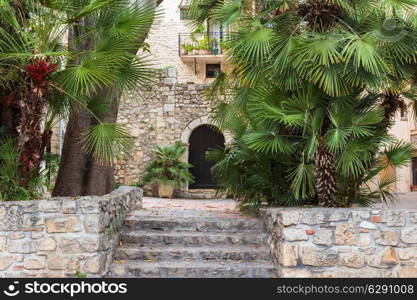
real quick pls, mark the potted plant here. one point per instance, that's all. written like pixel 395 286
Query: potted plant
pixel 167 170
pixel 184 49
pixel 203 46
pixel 187 49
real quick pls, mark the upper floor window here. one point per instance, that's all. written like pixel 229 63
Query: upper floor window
pixel 414 170
pixel 185 13
pixel 403 113
pixel 212 70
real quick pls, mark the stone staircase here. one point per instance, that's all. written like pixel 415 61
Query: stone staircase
pixel 170 243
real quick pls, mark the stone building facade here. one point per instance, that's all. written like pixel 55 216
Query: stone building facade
pixel 168 112
pixel 405 129
pixel 174 106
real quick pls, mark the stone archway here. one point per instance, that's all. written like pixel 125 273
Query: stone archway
pixel 186 134
pixel 202 139
pixel 204 120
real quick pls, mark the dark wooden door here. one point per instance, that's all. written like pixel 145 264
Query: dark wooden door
pixel 202 139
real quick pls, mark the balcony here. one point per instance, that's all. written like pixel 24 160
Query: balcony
pixel 197 46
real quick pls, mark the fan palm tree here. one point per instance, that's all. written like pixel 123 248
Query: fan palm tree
pixel 338 145
pixel 319 60
pixel 167 166
pixel 167 169
pixel 49 79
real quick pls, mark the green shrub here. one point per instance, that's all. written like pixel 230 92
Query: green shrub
pixel 167 166
pixel 276 156
pixel 10 179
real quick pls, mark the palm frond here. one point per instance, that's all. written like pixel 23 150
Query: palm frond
pixel 105 141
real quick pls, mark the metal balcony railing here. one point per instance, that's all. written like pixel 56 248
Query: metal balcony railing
pixel 200 44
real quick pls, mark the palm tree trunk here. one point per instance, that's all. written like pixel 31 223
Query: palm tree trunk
pixel 74 160
pixel 87 176
pixel 32 138
pixel 9 112
pixel 391 103
pixel 325 176
pixel 100 178
pixel 73 165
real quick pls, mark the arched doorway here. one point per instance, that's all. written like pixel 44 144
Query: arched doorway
pixel 203 138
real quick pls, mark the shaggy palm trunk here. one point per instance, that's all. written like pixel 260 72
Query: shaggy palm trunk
pixel 325 176
pixel 33 137
pixel 320 15
pixel 9 113
pixel 391 103
pixel 33 102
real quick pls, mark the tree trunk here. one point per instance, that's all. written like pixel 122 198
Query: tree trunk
pixel 9 113
pixel 87 176
pixel 99 178
pixel 33 138
pixel 325 176
pixel 73 166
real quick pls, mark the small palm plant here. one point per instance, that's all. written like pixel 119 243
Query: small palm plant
pixel 10 188
pixel 167 170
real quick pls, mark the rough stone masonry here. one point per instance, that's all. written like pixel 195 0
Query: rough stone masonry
pixel 57 237
pixel 321 242
pixel 157 115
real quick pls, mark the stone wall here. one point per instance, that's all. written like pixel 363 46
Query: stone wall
pixel 320 242
pixel 158 115
pixel 58 236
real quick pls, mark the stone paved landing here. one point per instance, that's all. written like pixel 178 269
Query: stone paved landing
pixel 192 238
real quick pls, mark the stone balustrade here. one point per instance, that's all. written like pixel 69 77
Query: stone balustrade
pixel 57 237
pixel 322 242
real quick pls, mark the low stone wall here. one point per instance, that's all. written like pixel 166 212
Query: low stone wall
pixel 321 242
pixel 58 236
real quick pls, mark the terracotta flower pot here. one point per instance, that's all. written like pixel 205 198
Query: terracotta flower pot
pixel 165 190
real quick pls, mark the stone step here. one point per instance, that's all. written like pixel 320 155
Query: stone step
pixel 173 253
pixel 192 269
pixel 160 238
pixel 194 224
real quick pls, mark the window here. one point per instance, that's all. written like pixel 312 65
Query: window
pixel 185 13
pixel 403 114
pixel 414 171
pixel 212 70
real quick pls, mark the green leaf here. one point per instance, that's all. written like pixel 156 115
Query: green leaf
pixel 267 142
pixel 105 141
pixel 398 154
pixel 363 53
pixel 302 180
